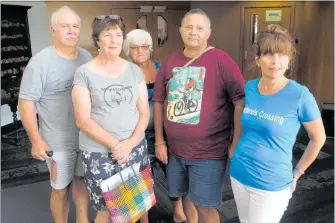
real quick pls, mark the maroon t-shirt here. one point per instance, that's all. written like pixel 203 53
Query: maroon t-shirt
pixel 198 109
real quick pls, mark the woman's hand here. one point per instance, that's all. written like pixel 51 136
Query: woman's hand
pixel 122 150
pixel 231 151
pixel 293 186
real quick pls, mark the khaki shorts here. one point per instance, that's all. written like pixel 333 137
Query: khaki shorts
pixel 63 166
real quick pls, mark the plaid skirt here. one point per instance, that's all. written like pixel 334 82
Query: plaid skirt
pixel 100 166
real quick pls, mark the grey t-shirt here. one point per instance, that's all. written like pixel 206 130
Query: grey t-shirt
pixel 47 80
pixel 114 103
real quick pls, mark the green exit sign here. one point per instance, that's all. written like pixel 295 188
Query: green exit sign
pixel 273 15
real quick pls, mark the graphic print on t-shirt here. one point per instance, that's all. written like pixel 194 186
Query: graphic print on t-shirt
pixel 115 95
pixel 185 95
pixel 272 116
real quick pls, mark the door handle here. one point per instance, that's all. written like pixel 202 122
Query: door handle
pixel 245 54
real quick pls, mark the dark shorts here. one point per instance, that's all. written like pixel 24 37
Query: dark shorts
pixel 100 166
pixel 200 180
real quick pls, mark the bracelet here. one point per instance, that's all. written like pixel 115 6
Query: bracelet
pixel 298 170
pixel 161 143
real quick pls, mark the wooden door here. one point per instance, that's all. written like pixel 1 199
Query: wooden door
pixel 171 39
pixel 153 20
pixel 133 18
pixel 255 21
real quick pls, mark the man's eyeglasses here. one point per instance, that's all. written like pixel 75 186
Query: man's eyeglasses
pixel 101 17
pixel 143 47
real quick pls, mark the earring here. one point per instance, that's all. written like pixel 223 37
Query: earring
pixel 258 65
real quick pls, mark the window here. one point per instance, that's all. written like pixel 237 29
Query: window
pixel 162 30
pixel 254 29
pixel 142 23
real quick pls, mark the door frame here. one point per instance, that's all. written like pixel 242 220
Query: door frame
pixel 263 5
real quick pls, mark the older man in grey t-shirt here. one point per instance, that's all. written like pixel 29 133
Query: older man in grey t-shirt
pixel 46 86
pixel 47 80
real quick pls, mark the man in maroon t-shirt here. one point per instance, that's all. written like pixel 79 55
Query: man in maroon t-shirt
pixel 198 107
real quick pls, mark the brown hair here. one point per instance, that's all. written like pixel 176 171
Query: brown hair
pixel 103 22
pixel 276 39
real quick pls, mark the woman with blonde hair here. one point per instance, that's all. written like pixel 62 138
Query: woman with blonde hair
pixel 261 171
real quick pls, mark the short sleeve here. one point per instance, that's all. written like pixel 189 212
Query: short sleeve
pixel 233 78
pixel 80 78
pixel 137 73
pixel 32 83
pixel 160 89
pixel 308 109
pixel 140 75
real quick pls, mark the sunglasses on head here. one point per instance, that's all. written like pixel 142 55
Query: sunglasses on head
pixel 101 17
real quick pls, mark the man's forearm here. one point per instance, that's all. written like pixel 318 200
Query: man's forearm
pixel 158 121
pixel 29 119
pixel 239 106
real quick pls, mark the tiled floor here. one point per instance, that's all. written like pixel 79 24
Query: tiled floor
pixel 313 201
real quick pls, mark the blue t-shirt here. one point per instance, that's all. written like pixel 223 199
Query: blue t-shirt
pixel 151 90
pixel 151 103
pixel 270 124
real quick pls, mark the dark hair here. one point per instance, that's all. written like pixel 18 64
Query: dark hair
pixel 101 23
pixel 276 39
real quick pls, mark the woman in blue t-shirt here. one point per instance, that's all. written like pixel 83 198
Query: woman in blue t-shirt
pixel 275 107
pixel 138 47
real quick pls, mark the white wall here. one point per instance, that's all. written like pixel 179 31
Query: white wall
pixel 39 37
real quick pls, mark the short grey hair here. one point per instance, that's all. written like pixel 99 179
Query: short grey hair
pixel 54 15
pixel 137 35
pixel 196 11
